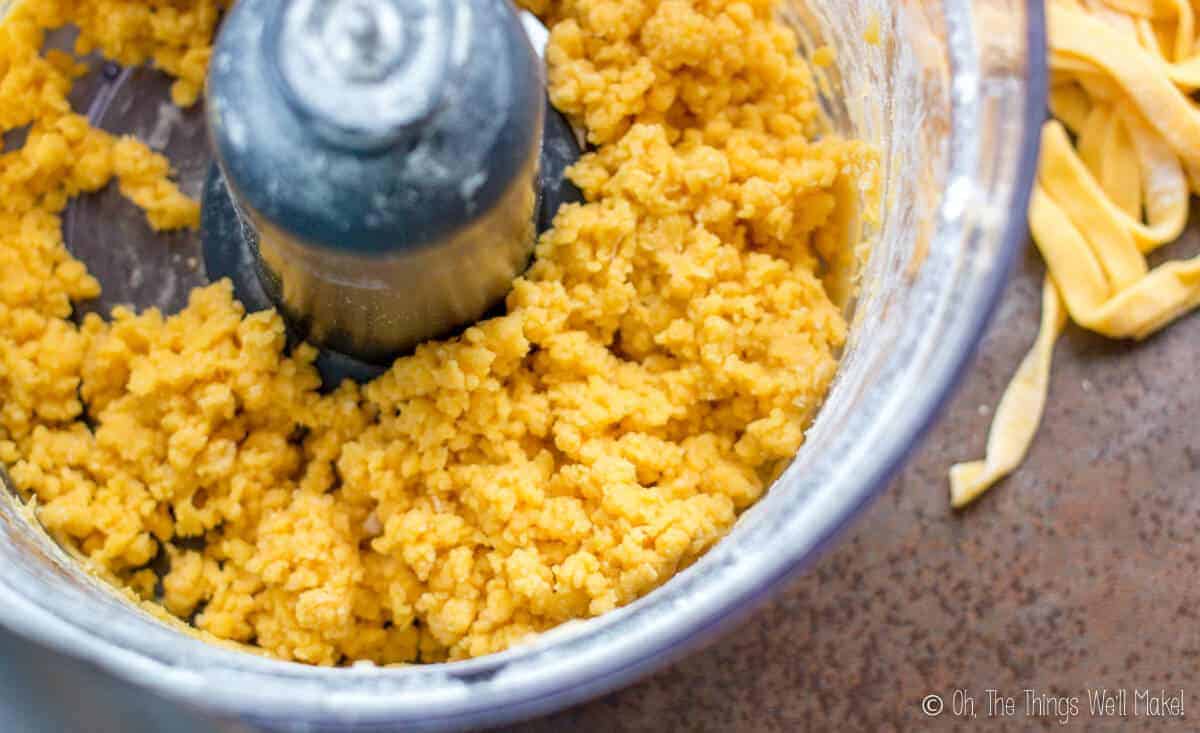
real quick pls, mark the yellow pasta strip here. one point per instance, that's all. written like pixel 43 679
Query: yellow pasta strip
pixel 1064 178
pixel 1069 258
pixel 1176 118
pixel 1148 9
pixel 1120 174
pixel 1094 131
pixel 1070 104
pixel 1019 412
pixel 1132 313
pixel 1164 188
pixel 1186 74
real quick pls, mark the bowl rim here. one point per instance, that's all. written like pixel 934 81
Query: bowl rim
pixel 496 689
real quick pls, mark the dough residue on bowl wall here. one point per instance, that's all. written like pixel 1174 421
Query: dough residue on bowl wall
pixel 664 354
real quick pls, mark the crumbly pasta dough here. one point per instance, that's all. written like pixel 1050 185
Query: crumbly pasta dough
pixel 655 367
pixel 1122 71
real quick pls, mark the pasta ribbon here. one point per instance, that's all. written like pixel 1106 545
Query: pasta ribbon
pixel 1118 164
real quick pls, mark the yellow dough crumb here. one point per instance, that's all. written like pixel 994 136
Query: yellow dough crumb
pixel 1121 77
pixel 873 35
pixel 656 366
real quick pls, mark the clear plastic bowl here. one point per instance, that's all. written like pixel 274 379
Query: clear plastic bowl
pixel 954 94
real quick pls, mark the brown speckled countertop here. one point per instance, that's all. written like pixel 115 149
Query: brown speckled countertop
pixel 1078 572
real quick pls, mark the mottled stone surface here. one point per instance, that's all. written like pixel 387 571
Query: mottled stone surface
pixel 1079 571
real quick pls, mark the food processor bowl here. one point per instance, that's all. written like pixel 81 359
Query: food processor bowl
pixel 953 94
